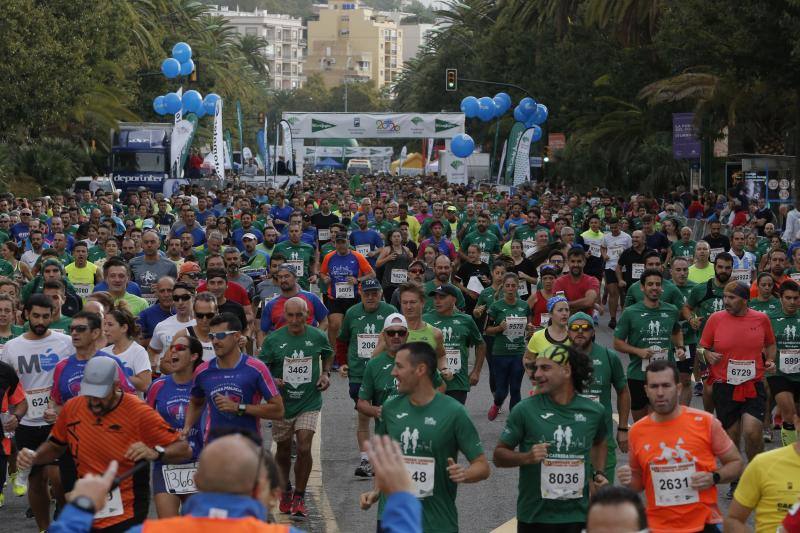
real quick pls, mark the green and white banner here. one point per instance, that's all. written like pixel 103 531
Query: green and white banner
pixel 182 135
pixel 513 140
pixel 375 125
pixel 522 165
pixel 349 151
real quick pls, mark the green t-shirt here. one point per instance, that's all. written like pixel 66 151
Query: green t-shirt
pixel 432 433
pixel 95 253
pixel 3 236
pixel 787 337
pixel 644 327
pixel 487 242
pixel 378 385
pixel 299 256
pixel 690 336
pixel 671 294
pixel 255 265
pixel 429 286
pixel 459 332
pixel 61 325
pixel 279 352
pixel 425 228
pixel 512 340
pixel 608 372
pixel 382 227
pixel 703 302
pixel 16 331
pixel 136 304
pixel 361 330
pixel 6 269
pixel 571 430
pixel 771 306
pixel 683 249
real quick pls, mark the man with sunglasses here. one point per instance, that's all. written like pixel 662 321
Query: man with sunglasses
pixel 272 317
pixel 608 372
pixel 562 443
pixel 301 355
pixel 20 230
pixel 416 274
pixel 164 332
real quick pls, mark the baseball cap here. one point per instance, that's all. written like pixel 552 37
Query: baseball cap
pixel 4 216
pixel 580 316
pixel 286 268
pixel 99 377
pixel 436 222
pixel 249 236
pixel 452 208
pixel 444 290
pixel 371 284
pixel 395 319
pixel 189 266
pixel 148 224
pixel 340 237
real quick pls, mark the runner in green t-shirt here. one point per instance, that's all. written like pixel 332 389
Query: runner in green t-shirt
pixel 488 242
pixel 684 247
pixel 432 430
pixel 670 293
pixel 562 444
pixel 785 383
pixel 764 301
pixel 706 298
pixel 690 365
pixel 8 330
pixel 460 332
pixel 648 331
pixel 359 334
pixel 300 256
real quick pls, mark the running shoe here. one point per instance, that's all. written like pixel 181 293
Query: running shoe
pixel 20 489
pixel 767 434
pixel 364 469
pixel 493 411
pixel 698 389
pixel 777 421
pixel 299 511
pixel 731 490
pixel 286 502
pixel 788 436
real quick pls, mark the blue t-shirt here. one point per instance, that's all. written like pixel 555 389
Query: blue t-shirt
pixel 238 233
pixel 281 213
pixel 132 288
pixel 150 317
pixel 272 316
pixel 248 382
pixel 171 400
pixel 341 268
pixel 20 231
pixel 198 235
pixel 367 237
pixel 68 374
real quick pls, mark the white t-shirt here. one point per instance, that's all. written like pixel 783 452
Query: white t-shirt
pixel 34 362
pixel 134 357
pixel 29 258
pixel 615 246
pixel 164 331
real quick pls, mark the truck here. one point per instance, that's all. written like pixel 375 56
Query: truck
pixel 140 155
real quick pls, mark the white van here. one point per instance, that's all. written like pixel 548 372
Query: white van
pixel 359 166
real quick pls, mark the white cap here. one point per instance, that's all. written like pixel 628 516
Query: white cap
pixel 395 319
pixel 249 236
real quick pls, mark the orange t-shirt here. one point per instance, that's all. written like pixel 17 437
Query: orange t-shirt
pixel 741 338
pixel 95 441
pixel 342 267
pixel 198 524
pixel 17 397
pixel 694 436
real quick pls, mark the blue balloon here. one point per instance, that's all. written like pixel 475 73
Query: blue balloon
pixel 505 98
pixel 171 67
pixel 469 106
pixel 500 106
pixel 192 101
pixel 537 134
pixel 210 103
pixel 486 108
pixel 200 112
pixel 540 114
pixel 462 145
pixel 159 106
pixel 172 103
pixel 182 52
pixel 528 106
pixel 519 114
pixel 187 68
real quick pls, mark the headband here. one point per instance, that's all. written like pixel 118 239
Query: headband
pixel 554 300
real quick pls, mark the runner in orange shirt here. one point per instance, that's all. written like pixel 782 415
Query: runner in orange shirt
pixel 673 455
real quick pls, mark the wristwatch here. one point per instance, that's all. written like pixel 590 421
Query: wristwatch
pixel 241 410
pixel 161 451
pixel 598 473
pixel 84 503
pixel 717 477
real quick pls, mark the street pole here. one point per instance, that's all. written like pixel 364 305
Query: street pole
pixel 494 146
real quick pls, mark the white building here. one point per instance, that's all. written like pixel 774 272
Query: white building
pixel 285 35
pixel 414 36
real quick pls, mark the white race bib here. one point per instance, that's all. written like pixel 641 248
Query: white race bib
pixel 740 371
pixel 422 471
pixel 659 354
pixel 562 479
pixel 113 506
pixel 297 266
pixel 37 402
pixel 614 252
pixel 179 479
pixel 163 229
pixel 485 257
pixel 83 289
pixel 795 277
pixel 515 326
pixel 324 234
pixel 297 370
pixel 398 276
pixel 528 245
pixel 150 298
pixel 671 484
pixel 790 361
pixel 366 344
pixel 544 318
pixel 637 269
pixel 345 290
pixel 715 252
pixel 363 249
pixel 453 356
pixel 522 290
pixel 594 249
pixel 741 274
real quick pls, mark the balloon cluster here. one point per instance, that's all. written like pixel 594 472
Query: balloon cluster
pixel 486 108
pixel 531 114
pixel 181 64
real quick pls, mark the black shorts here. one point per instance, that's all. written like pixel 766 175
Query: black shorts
pixel 32 437
pixel 339 305
pixel 729 411
pixel 611 277
pixel 354 389
pixel 638 397
pixel 687 365
pixel 459 395
pixel 778 384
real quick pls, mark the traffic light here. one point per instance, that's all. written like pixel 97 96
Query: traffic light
pixel 451 79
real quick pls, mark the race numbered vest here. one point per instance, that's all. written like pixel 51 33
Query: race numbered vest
pixel 202 524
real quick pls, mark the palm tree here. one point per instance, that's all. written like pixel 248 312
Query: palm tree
pixel 253 48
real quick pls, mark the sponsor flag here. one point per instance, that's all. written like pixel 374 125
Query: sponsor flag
pixel 179 114
pixel 513 140
pixel 502 160
pixel 239 120
pixel 228 149
pixel 522 162
pixel 182 135
pixel 217 142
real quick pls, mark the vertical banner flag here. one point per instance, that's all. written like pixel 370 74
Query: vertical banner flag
pixel 261 142
pixel 502 160
pixel 403 155
pixel 513 139
pixel 685 142
pixel 430 153
pixel 179 114
pixel 182 135
pixel 275 152
pixel 287 146
pixel 217 142
pixel 228 150
pixel 239 120
pixel 266 145
pixel 522 163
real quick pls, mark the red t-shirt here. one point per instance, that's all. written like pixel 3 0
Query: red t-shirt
pixel 741 338
pixel 234 292
pixel 575 291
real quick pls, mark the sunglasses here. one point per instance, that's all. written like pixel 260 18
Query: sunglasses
pixel 416 271
pixel 207 316
pixel 181 297
pixel 178 347
pixel 191 275
pixel 580 327
pixel 220 335
pixel 79 329
pixel 396 333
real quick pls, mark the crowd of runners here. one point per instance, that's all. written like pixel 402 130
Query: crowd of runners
pixel 154 349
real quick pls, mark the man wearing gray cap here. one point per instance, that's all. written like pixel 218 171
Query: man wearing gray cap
pixel 103 425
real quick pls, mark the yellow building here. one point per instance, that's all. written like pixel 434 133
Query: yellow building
pixel 350 43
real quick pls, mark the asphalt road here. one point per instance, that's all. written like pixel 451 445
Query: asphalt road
pixel 333 497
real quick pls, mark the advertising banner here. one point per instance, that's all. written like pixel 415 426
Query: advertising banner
pixel 182 135
pixel 685 143
pixel 217 142
pixel 375 125
pixel 513 140
pixel 522 164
